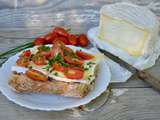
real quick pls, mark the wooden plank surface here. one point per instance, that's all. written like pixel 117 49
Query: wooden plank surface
pixel 134 104
pixel 133 100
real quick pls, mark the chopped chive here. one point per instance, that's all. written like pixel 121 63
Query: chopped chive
pixel 56 74
pixel 86 69
pixel 89 63
pixel 17 49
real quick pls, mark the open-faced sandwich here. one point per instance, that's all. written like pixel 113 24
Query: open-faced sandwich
pixel 56 69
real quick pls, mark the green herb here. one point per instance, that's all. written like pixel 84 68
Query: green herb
pixel 90 63
pixel 17 49
pixel 58 59
pixel 70 54
pixel 30 67
pixel 31 57
pixel 89 78
pixel 66 53
pixel 56 74
pixel 65 71
pixel 44 48
pixel 75 56
pixel 50 62
pixel 86 69
pixel 47 67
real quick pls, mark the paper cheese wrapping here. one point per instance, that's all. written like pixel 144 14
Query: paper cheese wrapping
pixel 130 32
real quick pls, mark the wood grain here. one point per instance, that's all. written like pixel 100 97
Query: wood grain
pixel 135 104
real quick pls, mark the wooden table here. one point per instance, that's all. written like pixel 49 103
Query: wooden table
pixel 138 102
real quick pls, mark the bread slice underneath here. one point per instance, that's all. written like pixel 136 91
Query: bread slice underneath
pixel 20 83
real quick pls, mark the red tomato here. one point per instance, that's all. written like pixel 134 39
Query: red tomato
pixel 54 35
pixel 72 73
pixel 73 61
pixel 49 38
pixel 58 67
pixel 36 75
pixel 57 48
pixel 39 41
pixel 84 56
pixel 26 53
pixel 72 39
pixel 46 54
pixel 83 40
pixel 39 59
pixel 23 61
pixel 68 51
pixel 63 39
pixel 60 31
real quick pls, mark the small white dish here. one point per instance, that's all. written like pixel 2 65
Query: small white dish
pixel 53 102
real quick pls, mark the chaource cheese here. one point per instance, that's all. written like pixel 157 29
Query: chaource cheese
pixel 126 30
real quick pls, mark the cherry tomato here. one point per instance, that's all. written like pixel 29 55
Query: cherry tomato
pixel 72 39
pixel 63 39
pixel 36 75
pixel 84 56
pixel 73 61
pixel 72 73
pixel 54 35
pixel 39 59
pixel 26 53
pixel 39 41
pixel 50 37
pixel 47 54
pixel 58 67
pixel 61 31
pixel 23 61
pixel 83 40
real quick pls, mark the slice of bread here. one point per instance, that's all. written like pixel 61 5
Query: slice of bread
pixel 20 83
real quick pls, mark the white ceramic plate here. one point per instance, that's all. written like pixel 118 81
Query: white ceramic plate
pixel 52 102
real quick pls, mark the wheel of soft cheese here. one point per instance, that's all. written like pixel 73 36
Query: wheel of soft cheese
pixel 130 28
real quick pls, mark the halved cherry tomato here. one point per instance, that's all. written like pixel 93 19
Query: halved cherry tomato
pixel 60 31
pixel 72 39
pixel 23 61
pixel 73 61
pixel 84 56
pixel 63 39
pixel 26 53
pixel 39 59
pixel 83 40
pixel 36 75
pixel 58 67
pixel 72 73
pixel 39 41
pixel 47 54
